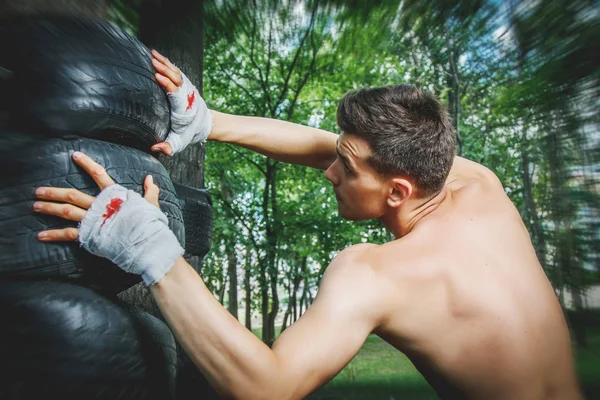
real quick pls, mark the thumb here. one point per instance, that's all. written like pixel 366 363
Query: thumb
pixel 151 191
pixel 163 147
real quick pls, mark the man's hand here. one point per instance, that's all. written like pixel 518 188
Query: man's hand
pixel 73 204
pixel 169 77
pixel 118 224
pixel 167 74
pixel 191 121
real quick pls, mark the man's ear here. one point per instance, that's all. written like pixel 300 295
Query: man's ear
pixel 401 190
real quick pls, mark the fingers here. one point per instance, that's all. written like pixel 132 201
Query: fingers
pixel 174 76
pixel 71 196
pixel 164 148
pixel 168 75
pixel 166 83
pixel 164 60
pixel 59 235
pixel 96 171
pixel 151 191
pixel 66 211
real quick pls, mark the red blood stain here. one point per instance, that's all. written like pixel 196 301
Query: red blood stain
pixel 111 209
pixel 191 98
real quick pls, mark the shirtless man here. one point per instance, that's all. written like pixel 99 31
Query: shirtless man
pixel 459 291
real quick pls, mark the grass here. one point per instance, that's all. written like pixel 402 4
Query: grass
pixel 381 372
pixel 378 371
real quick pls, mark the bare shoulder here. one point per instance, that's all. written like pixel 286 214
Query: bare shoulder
pixel 356 251
pixel 466 172
pixel 352 284
pixel 350 268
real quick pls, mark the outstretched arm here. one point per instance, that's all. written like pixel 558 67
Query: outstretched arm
pixel 280 140
pixel 308 354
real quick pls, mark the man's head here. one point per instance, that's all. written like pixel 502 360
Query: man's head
pixel 395 135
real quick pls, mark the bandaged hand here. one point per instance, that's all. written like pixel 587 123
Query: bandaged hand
pixel 119 224
pixel 132 233
pixel 191 121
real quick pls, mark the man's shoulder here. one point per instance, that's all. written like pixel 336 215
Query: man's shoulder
pixel 353 283
pixel 353 260
pixel 374 262
pixel 469 173
pixel 357 250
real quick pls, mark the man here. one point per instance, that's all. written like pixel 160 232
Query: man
pixel 460 291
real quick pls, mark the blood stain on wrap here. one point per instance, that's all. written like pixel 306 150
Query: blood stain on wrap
pixel 111 209
pixel 190 98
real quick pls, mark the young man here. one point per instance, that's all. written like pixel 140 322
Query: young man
pixel 460 291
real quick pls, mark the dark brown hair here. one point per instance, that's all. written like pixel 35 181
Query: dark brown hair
pixel 409 132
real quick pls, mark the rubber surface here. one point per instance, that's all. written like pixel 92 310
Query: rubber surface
pixel 196 207
pixel 78 76
pixel 28 162
pixel 62 341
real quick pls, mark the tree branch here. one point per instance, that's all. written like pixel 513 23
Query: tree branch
pixel 245 157
pixel 295 60
pixel 246 91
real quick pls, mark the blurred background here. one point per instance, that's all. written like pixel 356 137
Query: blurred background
pixel 519 77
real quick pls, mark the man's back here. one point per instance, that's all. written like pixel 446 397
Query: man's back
pixel 479 317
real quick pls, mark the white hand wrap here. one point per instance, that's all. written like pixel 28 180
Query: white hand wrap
pixel 132 233
pixel 191 121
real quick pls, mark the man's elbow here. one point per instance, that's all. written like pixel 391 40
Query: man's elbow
pixel 270 384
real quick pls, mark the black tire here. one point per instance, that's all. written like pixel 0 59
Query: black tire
pixel 33 162
pixel 64 341
pixel 84 77
pixel 196 207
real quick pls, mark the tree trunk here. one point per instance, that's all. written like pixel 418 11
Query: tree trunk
pixel 292 311
pixel 233 287
pixel 176 29
pixel 227 194
pixel 536 226
pixel 288 311
pixel 303 298
pixel 579 329
pixel 264 301
pixel 222 289
pixel 271 252
pixel 248 290
pixel 454 95
pixel 564 242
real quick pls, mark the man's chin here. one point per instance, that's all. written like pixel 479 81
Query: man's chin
pixel 344 214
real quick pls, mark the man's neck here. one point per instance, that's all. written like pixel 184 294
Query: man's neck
pixel 402 221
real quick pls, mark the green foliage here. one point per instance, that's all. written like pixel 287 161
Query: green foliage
pixel 520 80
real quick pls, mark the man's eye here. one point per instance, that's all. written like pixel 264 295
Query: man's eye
pixel 347 168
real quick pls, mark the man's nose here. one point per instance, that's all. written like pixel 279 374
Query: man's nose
pixel 330 174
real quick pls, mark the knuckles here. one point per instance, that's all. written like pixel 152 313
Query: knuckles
pixel 67 211
pixel 71 196
pixel 98 171
pixel 72 234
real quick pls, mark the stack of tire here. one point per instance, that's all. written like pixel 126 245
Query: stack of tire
pixel 80 85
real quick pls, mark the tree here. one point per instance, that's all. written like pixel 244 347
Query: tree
pixel 447 32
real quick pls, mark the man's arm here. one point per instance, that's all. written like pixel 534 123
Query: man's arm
pixel 304 357
pixel 135 236
pixel 309 353
pixel 279 140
